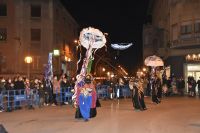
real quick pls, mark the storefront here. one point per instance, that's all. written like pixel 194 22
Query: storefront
pixel 192 70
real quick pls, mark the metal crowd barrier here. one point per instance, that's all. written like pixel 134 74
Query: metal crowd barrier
pixel 102 91
pixel 126 91
pixel 13 99
pixel 64 95
pixel 1 101
pixel 118 91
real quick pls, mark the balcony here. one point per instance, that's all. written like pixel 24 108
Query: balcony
pixel 186 40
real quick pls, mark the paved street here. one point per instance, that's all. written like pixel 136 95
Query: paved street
pixel 173 115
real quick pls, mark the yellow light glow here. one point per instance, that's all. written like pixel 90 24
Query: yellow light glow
pixel 144 69
pixel 28 59
pixel 108 73
pixel 103 69
pixel 66 58
pixel 75 41
pixel 188 57
pixel 194 56
pixel 56 52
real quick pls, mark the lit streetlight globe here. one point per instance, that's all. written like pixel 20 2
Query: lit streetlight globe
pixel 56 52
pixel 28 59
pixel 144 69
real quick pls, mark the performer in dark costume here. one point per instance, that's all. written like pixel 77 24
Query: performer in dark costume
pixel 141 95
pixel 86 100
pixel 155 84
pixel 138 95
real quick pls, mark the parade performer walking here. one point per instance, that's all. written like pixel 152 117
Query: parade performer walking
pixel 84 96
pixel 154 62
pixel 86 100
pixel 155 84
pixel 137 95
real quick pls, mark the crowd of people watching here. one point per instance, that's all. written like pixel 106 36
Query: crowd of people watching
pixel 39 91
pixel 44 92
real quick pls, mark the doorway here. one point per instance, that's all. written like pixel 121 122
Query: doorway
pixel 192 70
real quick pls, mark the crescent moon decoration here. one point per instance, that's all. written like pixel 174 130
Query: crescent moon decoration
pixel 121 46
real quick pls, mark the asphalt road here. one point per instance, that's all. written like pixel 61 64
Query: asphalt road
pixel 172 115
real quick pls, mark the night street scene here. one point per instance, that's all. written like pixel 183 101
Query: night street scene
pixel 87 66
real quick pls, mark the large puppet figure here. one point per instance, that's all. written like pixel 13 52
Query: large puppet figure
pixel 84 96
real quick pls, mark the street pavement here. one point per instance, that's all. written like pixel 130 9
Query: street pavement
pixel 172 115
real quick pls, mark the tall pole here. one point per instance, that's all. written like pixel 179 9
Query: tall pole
pixel 28 60
pixel 28 70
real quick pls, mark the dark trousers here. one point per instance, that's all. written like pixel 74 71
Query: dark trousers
pixel 148 91
pixel 155 99
pixel 141 99
pixel 135 100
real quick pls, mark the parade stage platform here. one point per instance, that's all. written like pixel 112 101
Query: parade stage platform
pixel 172 115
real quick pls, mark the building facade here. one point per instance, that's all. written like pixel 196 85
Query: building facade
pixel 174 35
pixel 35 28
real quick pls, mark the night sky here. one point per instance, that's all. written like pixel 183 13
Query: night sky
pixel 123 20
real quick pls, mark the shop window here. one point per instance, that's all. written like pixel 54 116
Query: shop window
pixel 35 35
pixel 3 10
pixel 3 34
pixel 35 11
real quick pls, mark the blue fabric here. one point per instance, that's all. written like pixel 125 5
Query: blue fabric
pixel 84 105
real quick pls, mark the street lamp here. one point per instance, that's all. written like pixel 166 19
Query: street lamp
pixel 103 69
pixel 108 73
pixel 75 41
pixel 56 52
pixel 28 60
pixel 56 58
pixel 112 75
pixel 144 69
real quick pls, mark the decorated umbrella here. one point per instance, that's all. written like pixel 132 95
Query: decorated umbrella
pixel 153 61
